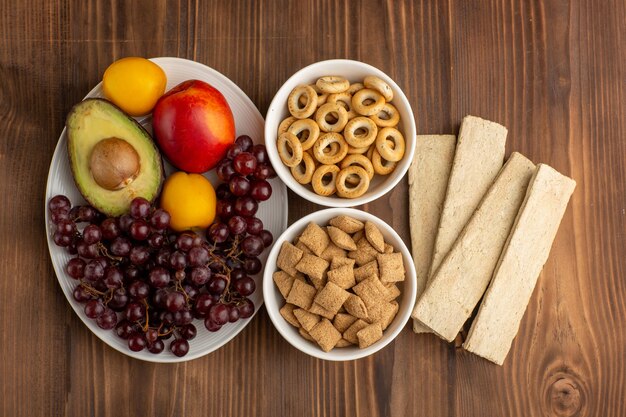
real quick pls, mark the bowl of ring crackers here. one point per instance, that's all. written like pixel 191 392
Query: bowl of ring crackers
pixel 339 284
pixel 340 133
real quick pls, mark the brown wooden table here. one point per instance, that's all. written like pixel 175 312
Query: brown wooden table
pixel 553 72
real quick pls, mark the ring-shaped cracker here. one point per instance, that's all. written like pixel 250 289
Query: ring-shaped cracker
pixel 303 172
pixel 354 88
pixel 298 109
pixel 375 83
pixel 305 125
pixel 344 100
pixel 320 186
pixel 284 125
pixel 382 166
pixel 322 97
pixel 357 160
pixel 289 149
pixel 393 116
pixel 356 190
pixel 357 151
pixel 360 140
pixel 327 140
pixel 331 109
pixel 367 94
pixel 332 84
pixel 390 144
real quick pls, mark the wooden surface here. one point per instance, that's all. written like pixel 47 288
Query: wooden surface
pixel 553 72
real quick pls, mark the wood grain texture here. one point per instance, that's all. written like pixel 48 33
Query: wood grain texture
pixel 553 72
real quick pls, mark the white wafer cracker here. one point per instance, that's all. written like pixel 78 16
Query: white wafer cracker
pixel 478 158
pixel 461 280
pixel 428 180
pixel 520 264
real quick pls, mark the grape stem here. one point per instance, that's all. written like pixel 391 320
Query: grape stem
pixel 147 325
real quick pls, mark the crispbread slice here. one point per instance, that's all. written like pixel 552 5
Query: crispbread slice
pixel 374 236
pixel 287 312
pixel 478 158
pixel 307 320
pixel 342 321
pixel 315 238
pixel 341 238
pixel 325 335
pixel 520 264
pixel 288 257
pixel 428 181
pixel 462 278
pixel 347 224
pixel 350 334
pixel 284 282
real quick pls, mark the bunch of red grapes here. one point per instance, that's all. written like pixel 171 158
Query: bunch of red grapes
pixel 148 283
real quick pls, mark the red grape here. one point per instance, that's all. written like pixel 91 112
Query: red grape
pixel 160 219
pixel 93 270
pixel 254 225
pixel 159 277
pixel 267 238
pixel 252 245
pixel 134 311
pixel 216 285
pixel 246 309
pixel 237 225
pixel 120 246
pixel 239 186
pixel 197 256
pixel 107 320
pixel 245 163
pixel 137 342
pixel 66 227
pixel 110 229
pixel 219 314
pixel 245 286
pixel 233 151
pixel 94 308
pixel 174 301
pixel 260 153
pixel 203 303
pixel 244 142
pixel 124 329
pixel 233 313
pixel 61 239
pixel 188 331
pixel 139 229
pixel 246 206
pixel 75 268
pixel 81 294
pixel 179 347
pixel 156 347
pixel 225 170
pixel 218 232
pixel 59 203
pixel 139 289
pixel 261 190
pixel 113 277
pixel 139 208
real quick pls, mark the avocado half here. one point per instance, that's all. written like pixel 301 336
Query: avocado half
pixel 112 157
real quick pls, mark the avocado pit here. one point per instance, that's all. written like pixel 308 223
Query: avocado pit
pixel 114 163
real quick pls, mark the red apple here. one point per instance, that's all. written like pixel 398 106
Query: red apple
pixel 193 125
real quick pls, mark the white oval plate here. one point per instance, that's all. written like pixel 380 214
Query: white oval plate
pixel 273 212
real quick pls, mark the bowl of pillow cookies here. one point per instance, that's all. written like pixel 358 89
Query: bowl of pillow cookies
pixel 340 133
pixel 339 284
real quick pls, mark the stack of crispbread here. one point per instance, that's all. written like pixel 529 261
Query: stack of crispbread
pixel 478 226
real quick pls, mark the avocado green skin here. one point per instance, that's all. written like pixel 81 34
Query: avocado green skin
pixel 95 119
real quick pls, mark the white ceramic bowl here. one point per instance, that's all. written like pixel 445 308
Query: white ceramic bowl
pixel 354 71
pixel 274 300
